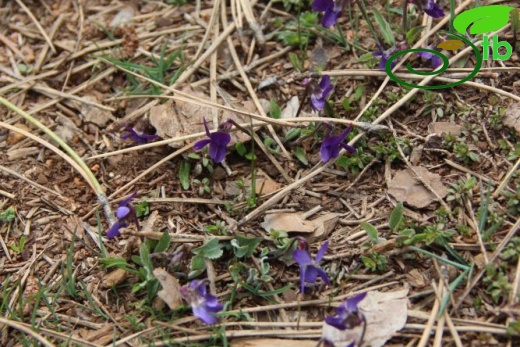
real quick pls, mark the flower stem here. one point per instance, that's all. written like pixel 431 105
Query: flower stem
pixel 405 19
pixel 453 5
pixel 86 170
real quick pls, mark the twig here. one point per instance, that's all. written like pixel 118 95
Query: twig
pixel 429 325
pixel 473 173
pixel 426 80
pixel 506 179
pixel 493 257
pixel 22 327
pixel 11 46
pixel 38 25
pixel 250 18
pixel 79 164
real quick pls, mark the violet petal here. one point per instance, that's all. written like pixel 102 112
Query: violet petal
pixel 322 5
pixel 322 251
pixel 201 144
pixel 330 17
pixel 122 212
pixel 114 229
pixel 302 257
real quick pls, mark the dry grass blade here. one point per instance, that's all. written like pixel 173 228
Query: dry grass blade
pixel 27 330
pixel 66 282
pixel 506 179
pixel 31 182
pixel 447 79
pixel 511 233
pixel 38 25
pixel 52 148
pixel 421 41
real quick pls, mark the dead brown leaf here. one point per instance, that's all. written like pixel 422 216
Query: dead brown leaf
pixel 291 108
pixel 406 187
pixel 171 289
pixel 183 118
pixel 415 278
pixel 385 313
pixel 93 114
pixel 445 128
pixel 114 278
pixel 295 222
pixel 512 117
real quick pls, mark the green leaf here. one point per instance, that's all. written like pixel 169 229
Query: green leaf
pixel 295 61
pixel 274 109
pixel 369 263
pixel 384 28
pixel 360 90
pixel 473 156
pixel 292 134
pixel 142 209
pixel 266 294
pixel 371 231
pixel 144 256
pixel 396 216
pixel 250 156
pixel 184 174
pixel 483 211
pixel 244 246
pixel 367 57
pixel 346 104
pixel 25 69
pixel 197 266
pixel 413 34
pixel 300 154
pixel 7 215
pixel 483 19
pixel 342 162
pixel 240 148
pixel 271 145
pixel 210 250
pixel 235 271
pixel 163 244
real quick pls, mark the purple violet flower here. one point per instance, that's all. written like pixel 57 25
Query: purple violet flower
pixel 331 8
pixel 309 269
pixel 429 7
pixel 133 135
pixel 328 343
pixel 386 54
pixel 319 92
pixel 332 144
pixel 347 314
pixel 434 59
pixel 125 212
pixel 217 141
pixel 203 304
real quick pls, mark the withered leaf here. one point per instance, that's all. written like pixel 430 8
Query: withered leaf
pixel 385 313
pixel 171 289
pixel 406 187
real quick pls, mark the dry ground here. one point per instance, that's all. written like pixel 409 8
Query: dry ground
pixel 61 62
